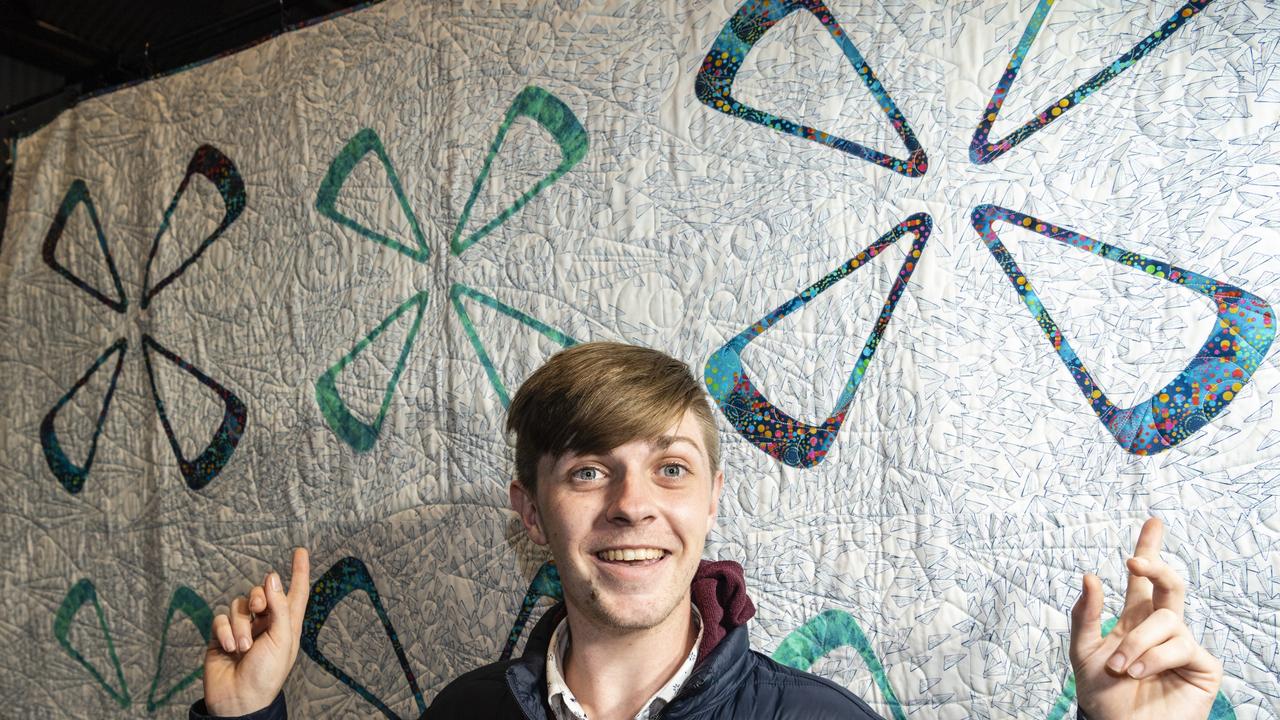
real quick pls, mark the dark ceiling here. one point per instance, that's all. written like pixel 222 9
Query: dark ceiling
pixel 54 51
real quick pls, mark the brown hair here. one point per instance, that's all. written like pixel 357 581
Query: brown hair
pixel 596 396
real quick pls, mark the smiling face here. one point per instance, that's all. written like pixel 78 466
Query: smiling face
pixel 626 526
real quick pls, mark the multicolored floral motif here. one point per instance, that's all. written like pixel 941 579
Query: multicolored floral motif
pixel 714 84
pixel 764 424
pixel 1219 371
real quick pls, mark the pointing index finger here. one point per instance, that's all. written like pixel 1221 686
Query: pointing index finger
pixel 299 585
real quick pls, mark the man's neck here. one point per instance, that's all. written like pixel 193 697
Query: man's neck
pixel 612 674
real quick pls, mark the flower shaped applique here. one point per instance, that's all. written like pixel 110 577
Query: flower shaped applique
pixel 184 600
pixel 553 116
pixel 349 575
pixel 1219 371
pixel 210 163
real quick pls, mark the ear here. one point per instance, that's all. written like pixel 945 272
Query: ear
pixel 526 506
pixel 717 485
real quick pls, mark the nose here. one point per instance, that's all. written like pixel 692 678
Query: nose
pixel 632 499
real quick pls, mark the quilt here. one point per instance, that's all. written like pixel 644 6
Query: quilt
pixel 974 285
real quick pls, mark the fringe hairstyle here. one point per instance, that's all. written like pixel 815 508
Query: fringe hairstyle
pixel 596 396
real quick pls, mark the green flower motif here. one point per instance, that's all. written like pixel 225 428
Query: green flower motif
pixel 533 102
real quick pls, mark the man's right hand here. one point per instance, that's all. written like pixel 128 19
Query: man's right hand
pixel 253 647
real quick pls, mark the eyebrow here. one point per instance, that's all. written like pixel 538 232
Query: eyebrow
pixel 662 442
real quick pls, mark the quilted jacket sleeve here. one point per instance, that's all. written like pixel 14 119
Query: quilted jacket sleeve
pixel 275 711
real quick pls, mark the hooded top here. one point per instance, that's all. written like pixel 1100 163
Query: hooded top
pixel 719 592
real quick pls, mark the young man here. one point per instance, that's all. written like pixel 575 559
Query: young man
pixel 617 472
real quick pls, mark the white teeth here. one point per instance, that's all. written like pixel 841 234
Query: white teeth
pixel 631 554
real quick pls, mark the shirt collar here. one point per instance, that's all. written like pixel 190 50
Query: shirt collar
pixel 565 706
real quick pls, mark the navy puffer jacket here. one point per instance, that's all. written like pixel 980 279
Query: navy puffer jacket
pixel 733 681
pixel 729 681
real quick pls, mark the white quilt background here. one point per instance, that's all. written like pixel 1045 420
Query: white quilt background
pixel 968 490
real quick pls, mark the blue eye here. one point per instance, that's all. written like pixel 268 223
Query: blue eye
pixel 674 471
pixel 588 474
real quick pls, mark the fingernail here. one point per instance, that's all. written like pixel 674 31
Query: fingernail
pixel 1116 662
pixel 275 582
pixel 244 644
pixel 228 647
pixel 1135 670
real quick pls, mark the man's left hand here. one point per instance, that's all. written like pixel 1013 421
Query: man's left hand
pixel 1148 667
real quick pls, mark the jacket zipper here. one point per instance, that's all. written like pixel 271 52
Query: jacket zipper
pixel 516 697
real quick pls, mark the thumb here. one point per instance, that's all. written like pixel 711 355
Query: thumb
pixel 1086 621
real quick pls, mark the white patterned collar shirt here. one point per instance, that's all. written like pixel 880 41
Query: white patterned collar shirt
pixel 565 706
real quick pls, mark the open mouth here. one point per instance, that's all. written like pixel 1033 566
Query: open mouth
pixel 632 557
